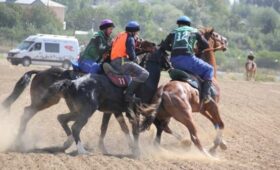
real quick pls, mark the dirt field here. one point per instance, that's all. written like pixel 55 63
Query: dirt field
pixel 250 110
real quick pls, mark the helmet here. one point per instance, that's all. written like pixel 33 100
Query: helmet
pixel 132 26
pixel 184 20
pixel 106 23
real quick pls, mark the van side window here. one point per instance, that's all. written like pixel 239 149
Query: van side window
pixel 52 47
pixel 37 46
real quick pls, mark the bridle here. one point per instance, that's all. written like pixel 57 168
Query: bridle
pixel 215 41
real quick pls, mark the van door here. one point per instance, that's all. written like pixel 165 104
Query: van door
pixel 36 51
pixel 52 50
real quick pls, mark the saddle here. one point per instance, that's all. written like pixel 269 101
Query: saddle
pixel 194 81
pixel 116 78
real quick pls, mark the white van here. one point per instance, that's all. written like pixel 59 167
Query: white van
pixel 45 49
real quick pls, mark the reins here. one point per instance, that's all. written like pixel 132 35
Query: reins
pixel 212 49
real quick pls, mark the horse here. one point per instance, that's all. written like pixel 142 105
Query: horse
pixel 216 42
pixel 90 93
pixel 251 68
pixel 39 88
pixel 179 99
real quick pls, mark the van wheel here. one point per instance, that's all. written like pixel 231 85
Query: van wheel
pixel 26 62
pixel 66 65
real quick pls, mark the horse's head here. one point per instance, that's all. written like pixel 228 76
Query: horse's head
pixel 158 56
pixel 215 40
pixel 144 46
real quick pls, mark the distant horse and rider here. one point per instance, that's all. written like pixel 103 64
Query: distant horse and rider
pixel 94 92
pixel 250 67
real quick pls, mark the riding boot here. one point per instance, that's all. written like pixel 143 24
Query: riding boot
pixel 129 95
pixel 206 91
pixel 130 98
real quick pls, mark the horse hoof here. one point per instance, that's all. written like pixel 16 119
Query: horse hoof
pixel 223 145
pixel 206 153
pixel 81 149
pixel 186 143
pixel 212 151
pixel 103 149
pixel 68 142
pixel 136 153
pixel 84 152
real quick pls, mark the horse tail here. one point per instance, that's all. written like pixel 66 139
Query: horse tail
pixel 18 89
pixel 150 111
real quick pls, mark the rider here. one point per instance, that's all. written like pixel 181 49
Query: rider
pixel 123 58
pixel 97 49
pixel 251 55
pixel 181 43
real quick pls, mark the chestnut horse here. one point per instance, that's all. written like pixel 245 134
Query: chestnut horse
pixel 216 43
pixel 179 100
pixel 251 68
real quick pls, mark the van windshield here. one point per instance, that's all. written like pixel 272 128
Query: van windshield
pixel 25 45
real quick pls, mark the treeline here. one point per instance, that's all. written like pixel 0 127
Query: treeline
pixel 249 25
pixel 16 22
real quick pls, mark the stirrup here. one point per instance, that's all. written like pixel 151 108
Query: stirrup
pixel 206 100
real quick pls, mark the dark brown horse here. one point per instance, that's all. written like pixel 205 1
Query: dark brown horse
pixel 39 89
pixel 251 68
pixel 179 100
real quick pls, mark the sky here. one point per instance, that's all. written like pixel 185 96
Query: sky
pixel 231 1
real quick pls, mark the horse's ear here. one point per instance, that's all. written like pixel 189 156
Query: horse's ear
pixel 211 30
pixel 161 43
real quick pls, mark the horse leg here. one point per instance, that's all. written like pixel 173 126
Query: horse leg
pixel 64 119
pixel 80 122
pixel 211 111
pixel 124 127
pixel 135 132
pixel 104 126
pixel 159 132
pixel 42 103
pixel 162 125
pixel 185 118
pixel 29 112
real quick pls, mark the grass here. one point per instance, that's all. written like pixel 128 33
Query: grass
pixel 266 75
pixel 262 75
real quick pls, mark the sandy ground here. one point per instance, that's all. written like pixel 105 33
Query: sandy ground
pixel 250 110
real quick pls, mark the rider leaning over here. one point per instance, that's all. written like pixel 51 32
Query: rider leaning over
pixel 181 43
pixel 97 49
pixel 123 58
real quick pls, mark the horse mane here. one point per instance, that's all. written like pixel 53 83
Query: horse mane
pixel 209 57
pixel 206 31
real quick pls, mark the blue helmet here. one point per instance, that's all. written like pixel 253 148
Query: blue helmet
pixel 132 26
pixel 184 20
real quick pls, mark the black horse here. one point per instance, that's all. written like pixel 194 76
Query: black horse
pixel 39 89
pixel 96 92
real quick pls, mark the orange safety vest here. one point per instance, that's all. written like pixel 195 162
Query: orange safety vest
pixel 119 46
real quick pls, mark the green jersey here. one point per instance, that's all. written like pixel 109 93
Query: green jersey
pixel 184 39
pixel 98 45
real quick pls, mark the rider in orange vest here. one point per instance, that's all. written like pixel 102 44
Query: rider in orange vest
pixel 123 59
